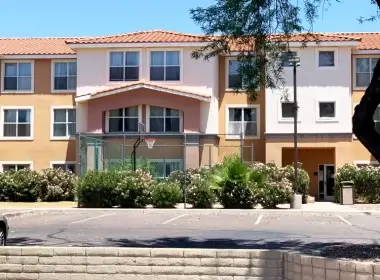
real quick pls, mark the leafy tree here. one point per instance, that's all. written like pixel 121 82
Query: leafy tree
pixel 260 32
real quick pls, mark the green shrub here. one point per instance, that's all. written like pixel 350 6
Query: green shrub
pixel 98 188
pixel 236 183
pixel 126 165
pixel 303 179
pixel 134 189
pixel 166 194
pixel 57 185
pixel 19 186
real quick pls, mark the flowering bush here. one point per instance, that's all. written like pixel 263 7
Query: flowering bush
pixel 198 188
pixel 19 186
pixel 57 184
pixel 134 189
pixel 366 181
pixel 166 194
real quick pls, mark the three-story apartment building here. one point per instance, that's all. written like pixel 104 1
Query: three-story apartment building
pixel 108 88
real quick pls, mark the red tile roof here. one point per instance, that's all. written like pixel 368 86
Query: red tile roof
pixel 34 46
pixel 149 36
pixel 58 46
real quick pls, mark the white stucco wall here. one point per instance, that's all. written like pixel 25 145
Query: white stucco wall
pixel 197 76
pixel 314 84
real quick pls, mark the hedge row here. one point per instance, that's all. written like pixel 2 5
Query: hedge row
pixel 232 183
pixel 52 184
pixel 366 181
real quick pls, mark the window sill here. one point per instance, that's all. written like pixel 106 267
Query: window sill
pixel 360 88
pixel 327 67
pixel 290 120
pixel 326 121
pixel 16 92
pixel 62 138
pixel 237 137
pixel 166 82
pixel 4 138
pixel 64 91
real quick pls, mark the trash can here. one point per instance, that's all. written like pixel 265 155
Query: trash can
pixel 347 194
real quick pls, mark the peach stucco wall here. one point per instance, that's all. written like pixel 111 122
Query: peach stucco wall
pixel 41 150
pixel 189 106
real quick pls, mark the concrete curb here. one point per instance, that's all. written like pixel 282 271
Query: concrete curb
pixel 19 213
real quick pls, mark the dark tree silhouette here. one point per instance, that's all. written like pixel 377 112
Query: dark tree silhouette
pixel 259 31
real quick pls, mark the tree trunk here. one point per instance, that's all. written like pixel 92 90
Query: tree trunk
pixel 363 125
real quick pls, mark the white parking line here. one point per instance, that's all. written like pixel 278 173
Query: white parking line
pixel 258 220
pixel 344 220
pixel 92 218
pixel 175 218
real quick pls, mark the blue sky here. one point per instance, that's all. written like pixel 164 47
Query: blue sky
pixel 40 18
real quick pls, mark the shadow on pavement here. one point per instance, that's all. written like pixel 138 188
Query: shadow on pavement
pixel 25 241
pixel 327 249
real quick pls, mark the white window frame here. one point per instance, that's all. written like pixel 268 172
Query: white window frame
pixel 319 119
pixel 226 77
pixel 124 50
pixel 3 62
pixel 280 119
pixel 107 117
pixel 64 163
pixel 53 62
pixel 242 106
pixel 147 120
pixel 52 137
pixel 336 55
pixel 370 57
pixel 147 73
pixel 17 138
pixel 180 161
pixel 15 162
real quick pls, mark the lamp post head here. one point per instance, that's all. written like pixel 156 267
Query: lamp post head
pixel 295 60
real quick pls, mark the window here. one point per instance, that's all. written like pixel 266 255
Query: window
pixel 165 66
pixel 64 122
pixel 17 76
pixel 285 56
pixel 65 75
pixel 326 58
pixel 364 70
pixel 123 120
pixel 287 110
pixel 124 66
pixel 326 110
pixel 15 167
pixel 17 123
pixel 242 120
pixel 234 79
pixel 65 166
pixel 164 119
pixel 163 168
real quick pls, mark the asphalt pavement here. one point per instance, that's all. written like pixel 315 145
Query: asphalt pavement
pixel 307 232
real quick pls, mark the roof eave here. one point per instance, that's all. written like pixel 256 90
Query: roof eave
pixel 91 96
pixel 136 45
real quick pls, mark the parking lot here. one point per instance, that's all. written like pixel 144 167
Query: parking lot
pixel 264 229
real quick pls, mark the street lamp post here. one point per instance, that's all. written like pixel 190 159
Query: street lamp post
pixel 297 198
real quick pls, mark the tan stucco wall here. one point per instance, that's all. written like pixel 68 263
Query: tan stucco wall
pixel 226 98
pixel 343 149
pixel 41 150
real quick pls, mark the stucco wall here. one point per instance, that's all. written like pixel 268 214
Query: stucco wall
pixel 41 150
pixel 314 84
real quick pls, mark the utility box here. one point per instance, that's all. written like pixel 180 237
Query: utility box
pixel 347 193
